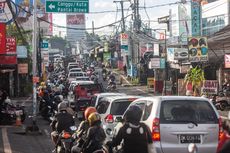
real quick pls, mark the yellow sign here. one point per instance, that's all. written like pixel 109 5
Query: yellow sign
pixel 150 82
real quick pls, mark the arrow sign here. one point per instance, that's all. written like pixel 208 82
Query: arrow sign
pixel 51 6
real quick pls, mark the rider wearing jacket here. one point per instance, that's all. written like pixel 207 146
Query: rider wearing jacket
pixel 82 130
pixel 62 121
pixel 95 135
pixel 136 136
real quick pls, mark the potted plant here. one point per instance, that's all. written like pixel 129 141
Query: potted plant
pixel 195 77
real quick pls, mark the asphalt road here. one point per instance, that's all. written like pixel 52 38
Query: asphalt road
pixel 13 139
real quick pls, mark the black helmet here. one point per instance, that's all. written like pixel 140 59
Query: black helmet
pixel 133 114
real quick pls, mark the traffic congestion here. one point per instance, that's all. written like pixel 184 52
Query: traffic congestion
pixel 87 113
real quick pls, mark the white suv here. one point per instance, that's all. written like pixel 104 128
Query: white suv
pixel 177 121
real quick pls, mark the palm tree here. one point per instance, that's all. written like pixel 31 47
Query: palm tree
pixel 196 77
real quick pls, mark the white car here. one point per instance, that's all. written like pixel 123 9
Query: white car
pixel 177 121
pixel 75 70
pixel 83 78
pixel 73 75
pixel 111 109
pixel 99 96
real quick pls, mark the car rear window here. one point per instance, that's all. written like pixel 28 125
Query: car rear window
pixel 119 107
pixel 181 111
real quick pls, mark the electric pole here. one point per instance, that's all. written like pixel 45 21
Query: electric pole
pixel 122 14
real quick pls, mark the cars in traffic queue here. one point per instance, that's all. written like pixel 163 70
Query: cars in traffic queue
pixel 81 104
pixel 96 98
pixel 111 110
pixel 75 70
pixel 74 83
pixel 73 75
pixel 85 78
pixel 177 121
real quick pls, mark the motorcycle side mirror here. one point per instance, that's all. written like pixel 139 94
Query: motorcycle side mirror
pixel 73 128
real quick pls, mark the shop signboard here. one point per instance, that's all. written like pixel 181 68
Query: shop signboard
pixel 154 63
pixel 170 54
pixel 8 60
pixel 180 53
pixel 21 52
pixel 124 37
pixel 196 17
pixel 198 49
pixel 183 25
pixel 5 12
pixel 11 46
pixel 23 68
pixel 210 87
pixel 2 38
pixel 227 60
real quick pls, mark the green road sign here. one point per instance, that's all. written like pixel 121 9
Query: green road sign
pixel 67 6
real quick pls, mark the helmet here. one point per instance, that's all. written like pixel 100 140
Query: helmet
pixel 89 111
pixel 133 114
pixel 72 104
pixel 62 106
pixel 7 100
pixel 94 118
pixel 60 98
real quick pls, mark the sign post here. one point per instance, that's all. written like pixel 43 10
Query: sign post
pixel 67 6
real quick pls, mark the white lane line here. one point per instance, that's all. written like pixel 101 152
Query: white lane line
pixel 6 144
pixel 141 90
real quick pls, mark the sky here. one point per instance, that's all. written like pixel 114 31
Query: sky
pixel 107 18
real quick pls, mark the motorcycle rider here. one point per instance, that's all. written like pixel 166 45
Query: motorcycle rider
pixel 136 136
pixel 95 135
pixel 224 143
pixel 82 130
pixel 62 121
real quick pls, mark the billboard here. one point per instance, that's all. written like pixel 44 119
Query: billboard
pixel 2 38
pixel 227 61
pixel 183 23
pixel 5 13
pixel 74 22
pixel 198 49
pixel 180 53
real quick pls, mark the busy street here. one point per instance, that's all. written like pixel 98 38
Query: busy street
pixel 114 76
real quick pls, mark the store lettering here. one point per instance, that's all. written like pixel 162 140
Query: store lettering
pixel 210 84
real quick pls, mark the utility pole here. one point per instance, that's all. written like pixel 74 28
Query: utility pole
pixel 122 13
pixel 93 27
pixel 136 15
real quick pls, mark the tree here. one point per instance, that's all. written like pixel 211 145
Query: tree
pixel 195 76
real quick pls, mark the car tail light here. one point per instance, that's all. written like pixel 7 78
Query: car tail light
pixel 109 118
pixel 156 130
pixel 66 135
pixel 221 132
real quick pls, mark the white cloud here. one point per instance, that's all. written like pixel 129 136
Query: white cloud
pixel 104 5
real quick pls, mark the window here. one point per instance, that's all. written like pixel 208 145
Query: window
pixel 180 111
pixel 101 109
pixel 119 107
pixel 147 111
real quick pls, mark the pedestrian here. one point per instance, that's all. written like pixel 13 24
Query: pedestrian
pixel 125 69
pixel 136 136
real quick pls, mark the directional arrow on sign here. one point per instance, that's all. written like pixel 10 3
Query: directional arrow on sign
pixel 51 6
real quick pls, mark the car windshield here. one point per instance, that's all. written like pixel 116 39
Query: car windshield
pixel 187 111
pixel 75 75
pixel 119 107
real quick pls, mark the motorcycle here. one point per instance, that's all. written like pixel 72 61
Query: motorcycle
pixel 65 140
pixel 10 112
pixel 104 76
pixel 111 86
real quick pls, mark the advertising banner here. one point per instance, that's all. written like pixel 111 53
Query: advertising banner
pixel 227 60
pixel 198 49
pixel 2 38
pixel 210 87
pixel 23 68
pixel 11 46
pixel 5 13
pixel 196 17
pixel 170 54
pixel 124 42
pixel 180 54
pixel 75 21
pixel 183 25
pixel 21 52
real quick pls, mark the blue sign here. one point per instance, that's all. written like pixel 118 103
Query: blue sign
pixel 196 18
pixel 124 48
pixel 21 52
pixel 162 63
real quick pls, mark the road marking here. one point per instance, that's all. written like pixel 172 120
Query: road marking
pixel 141 90
pixel 6 144
pixel 46 132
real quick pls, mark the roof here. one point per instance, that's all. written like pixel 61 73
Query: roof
pixel 82 82
pixel 175 98
pixel 112 98
pixel 109 93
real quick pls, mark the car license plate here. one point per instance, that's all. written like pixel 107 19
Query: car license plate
pixel 188 138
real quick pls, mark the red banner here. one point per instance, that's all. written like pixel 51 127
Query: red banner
pixel 10 45
pixel 2 38
pixel 5 60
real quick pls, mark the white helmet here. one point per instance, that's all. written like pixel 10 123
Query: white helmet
pixel 62 106
pixel 61 97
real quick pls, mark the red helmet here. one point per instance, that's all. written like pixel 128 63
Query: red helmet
pixel 89 111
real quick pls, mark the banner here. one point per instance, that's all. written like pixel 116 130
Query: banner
pixel 11 46
pixel 183 24
pixel 227 61
pixel 196 17
pixel 198 49
pixel 180 54
pixel 5 13
pixel 210 87
pixel 8 60
pixel 23 68
pixel 124 42
pixel 2 38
